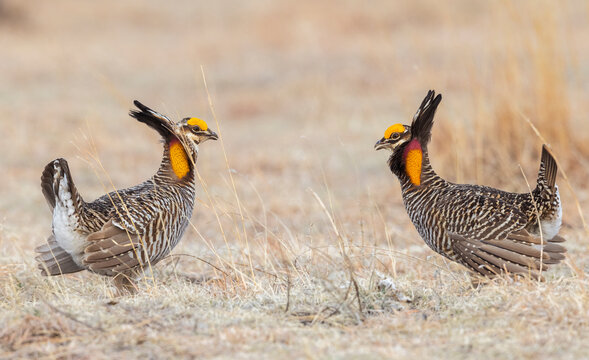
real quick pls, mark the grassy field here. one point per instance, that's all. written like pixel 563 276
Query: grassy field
pixel 299 246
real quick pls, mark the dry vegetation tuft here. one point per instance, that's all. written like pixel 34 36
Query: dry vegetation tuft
pixel 299 245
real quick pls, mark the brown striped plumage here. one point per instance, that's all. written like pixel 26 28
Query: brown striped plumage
pixel 125 231
pixel 487 230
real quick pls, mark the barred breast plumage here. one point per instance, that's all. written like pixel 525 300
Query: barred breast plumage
pixel 122 232
pixel 487 230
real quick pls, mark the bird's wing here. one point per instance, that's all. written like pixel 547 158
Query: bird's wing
pixel 518 253
pixel 121 243
pixel 112 250
pixel 488 235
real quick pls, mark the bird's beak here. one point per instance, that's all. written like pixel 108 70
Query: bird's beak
pixel 212 135
pixel 381 144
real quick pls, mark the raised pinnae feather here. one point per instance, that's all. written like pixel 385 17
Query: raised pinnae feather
pixel 423 120
pixel 146 110
pixel 161 123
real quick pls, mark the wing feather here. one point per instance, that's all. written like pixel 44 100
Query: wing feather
pixel 491 233
pixel 112 249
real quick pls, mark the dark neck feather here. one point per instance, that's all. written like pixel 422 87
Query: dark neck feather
pixel 397 164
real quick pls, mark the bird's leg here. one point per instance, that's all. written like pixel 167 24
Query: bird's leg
pixel 124 285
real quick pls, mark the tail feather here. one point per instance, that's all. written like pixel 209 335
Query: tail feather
pixel 47 185
pixel 54 260
pixel 56 181
pixel 64 201
pixel 548 169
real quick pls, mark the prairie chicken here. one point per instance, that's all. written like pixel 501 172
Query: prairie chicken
pixel 122 232
pixel 487 230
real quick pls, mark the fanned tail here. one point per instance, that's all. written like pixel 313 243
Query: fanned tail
pixel 548 170
pixel 57 185
pixel 65 201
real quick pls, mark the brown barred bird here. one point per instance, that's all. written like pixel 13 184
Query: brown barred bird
pixel 127 231
pixel 487 230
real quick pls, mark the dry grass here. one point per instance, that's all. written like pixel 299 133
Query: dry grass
pixel 300 246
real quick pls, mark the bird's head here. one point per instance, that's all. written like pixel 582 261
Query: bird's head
pixel 181 139
pixel 395 137
pixel 196 130
pixel 409 143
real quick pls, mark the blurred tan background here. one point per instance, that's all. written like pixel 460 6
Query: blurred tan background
pixel 301 90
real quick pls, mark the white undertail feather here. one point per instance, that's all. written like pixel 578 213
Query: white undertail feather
pixel 57 255
pixel 551 227
pixel 65 221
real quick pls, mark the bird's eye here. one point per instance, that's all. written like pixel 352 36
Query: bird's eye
pixel 396 136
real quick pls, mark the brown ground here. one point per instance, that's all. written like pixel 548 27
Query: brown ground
pixel 300 93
